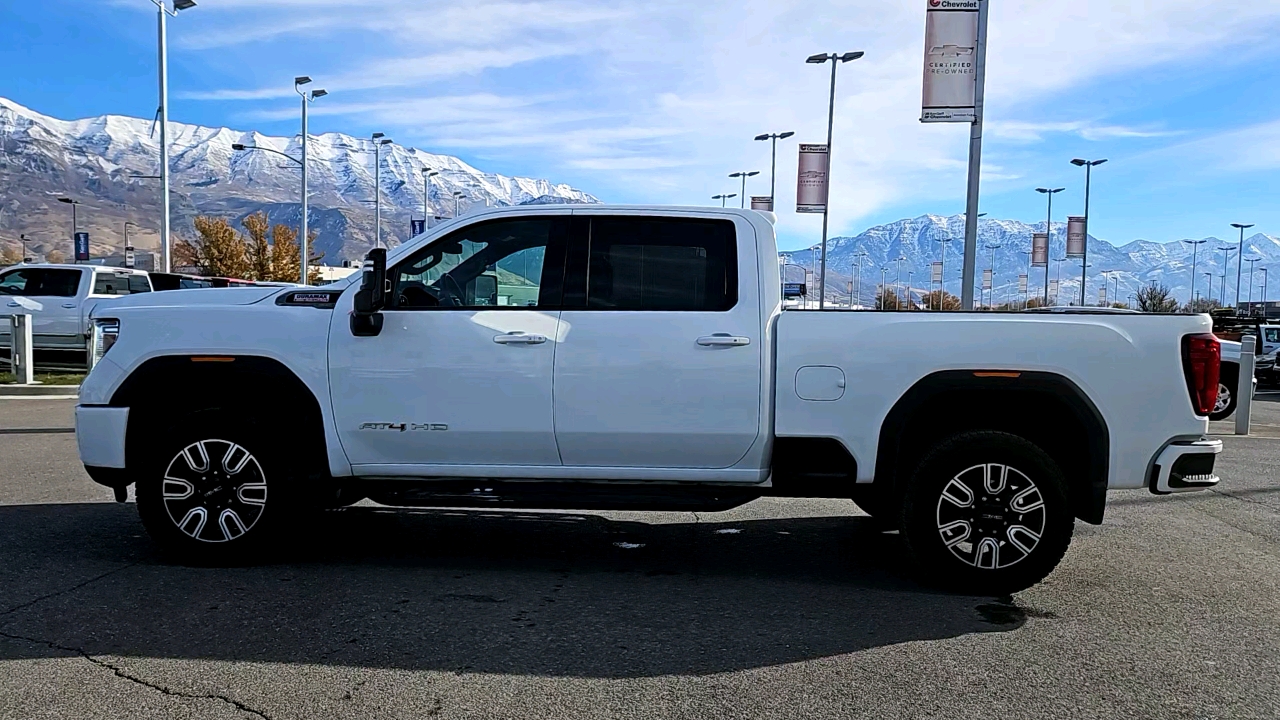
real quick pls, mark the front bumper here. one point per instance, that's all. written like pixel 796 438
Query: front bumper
pixel 1185 467
pixel 100 435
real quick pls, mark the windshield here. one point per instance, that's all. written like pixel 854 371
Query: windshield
pixel 40 282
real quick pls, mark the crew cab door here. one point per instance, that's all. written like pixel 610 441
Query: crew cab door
pixel 660 365
pixel 460 374
pixel 51 295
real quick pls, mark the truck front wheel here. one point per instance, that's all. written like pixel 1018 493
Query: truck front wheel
pixel 214 493
pixel 986 513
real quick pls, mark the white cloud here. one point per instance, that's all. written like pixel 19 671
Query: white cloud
pixel 659 99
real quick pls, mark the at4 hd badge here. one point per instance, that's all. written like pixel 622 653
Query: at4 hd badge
pixel 405 427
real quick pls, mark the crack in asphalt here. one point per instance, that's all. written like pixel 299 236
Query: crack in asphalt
pixel 64 591
pixel 125 675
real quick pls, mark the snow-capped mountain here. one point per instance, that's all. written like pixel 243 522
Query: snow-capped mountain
pixel 921 241
pixel 95 160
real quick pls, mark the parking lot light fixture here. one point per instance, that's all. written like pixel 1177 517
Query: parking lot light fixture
pixel 773 163
pixel 836 59
pixel 1239 256
pixel 742 199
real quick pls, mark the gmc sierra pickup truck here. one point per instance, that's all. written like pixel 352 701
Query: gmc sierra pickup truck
pixel 606 357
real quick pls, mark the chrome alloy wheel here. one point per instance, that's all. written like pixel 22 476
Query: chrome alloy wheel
pixel 991 516
pixel 1224 399
pixel 214 491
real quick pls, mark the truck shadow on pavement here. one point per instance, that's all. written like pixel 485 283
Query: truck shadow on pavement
pixel 526 593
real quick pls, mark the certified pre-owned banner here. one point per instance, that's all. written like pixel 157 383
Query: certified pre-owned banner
pixel 1077 236
pixel 811 180
pixel 1040 249
pixel 762 202
pixel 950 51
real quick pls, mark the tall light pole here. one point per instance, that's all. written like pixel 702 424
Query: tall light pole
pixel 457 202
pixel 1195 247
pixel 1048 229
pixel 910 295
pixel 23 237
pixel 1252 263
pixel 993 248
pixel 835 59
pixel 942 294
pixel 858 280
pixel 379 139
pixel 1026 290
pixel 304 237
pixel 163 111
pixel 883 271
pixel 1088 166
pixel 1058 277
pixel 1264 292
pixel 75 222
pixel 427 174
pixel 742 199
pixel 723 198
pixel 897 284
pixel 773 163
pixel 1239 256
pixel 1226 262
pixel 1209 275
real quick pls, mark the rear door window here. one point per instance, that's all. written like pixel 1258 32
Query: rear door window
pixel 40 282
pixel 109 283
pixel 661 264
pixel 139 284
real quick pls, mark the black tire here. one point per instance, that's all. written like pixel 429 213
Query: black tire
pixel 1020 516
pixel 217 491
pixel 1228 381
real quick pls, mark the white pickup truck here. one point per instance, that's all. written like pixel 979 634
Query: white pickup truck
pixel 59 299
pixel 610 357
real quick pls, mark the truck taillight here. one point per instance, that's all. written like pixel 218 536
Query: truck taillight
pixel 1201 360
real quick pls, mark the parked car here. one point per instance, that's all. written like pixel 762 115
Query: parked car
pixel 60 298
pixel 609 357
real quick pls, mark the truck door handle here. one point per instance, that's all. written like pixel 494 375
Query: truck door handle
pixel 519 338
pixel 723 340
pixel 68 305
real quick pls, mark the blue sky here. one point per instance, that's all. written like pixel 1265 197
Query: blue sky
pixel 657 100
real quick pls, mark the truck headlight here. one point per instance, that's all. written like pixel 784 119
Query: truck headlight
pixel 105 333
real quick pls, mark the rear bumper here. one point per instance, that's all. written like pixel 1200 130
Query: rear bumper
pixel 1185 467
pixel 100 435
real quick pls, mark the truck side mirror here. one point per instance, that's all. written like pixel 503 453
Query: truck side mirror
pixel 366 320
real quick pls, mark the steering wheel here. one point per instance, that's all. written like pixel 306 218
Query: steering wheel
pixel 417 295
pixel 456 296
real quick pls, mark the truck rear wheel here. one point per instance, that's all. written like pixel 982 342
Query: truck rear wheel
pixel 986 513
pixel 1227 383
pixel 214 493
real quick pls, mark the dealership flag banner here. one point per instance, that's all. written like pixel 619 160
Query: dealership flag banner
pixel 1053 288
pixel 762 202
pixel 1077 234
pixel 1022 283
pixel 937 272
pixel 811 179
pixel 950 61
pixel 1040 250
pixel 1102 296
pixel 82 246
pixel 986 279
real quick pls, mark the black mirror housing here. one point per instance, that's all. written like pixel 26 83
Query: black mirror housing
pixel 366 320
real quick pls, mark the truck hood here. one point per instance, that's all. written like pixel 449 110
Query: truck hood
pixel 192 296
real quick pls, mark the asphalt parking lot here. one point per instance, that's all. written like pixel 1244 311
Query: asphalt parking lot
pixel 779 609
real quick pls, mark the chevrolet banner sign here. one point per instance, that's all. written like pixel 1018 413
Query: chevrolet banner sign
pixel 950 54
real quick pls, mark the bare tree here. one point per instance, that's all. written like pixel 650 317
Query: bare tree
pixel 1157 298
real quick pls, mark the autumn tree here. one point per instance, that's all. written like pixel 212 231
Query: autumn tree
pixel 10 256
pixel 55 256
pixel 218 250
pixel 948 301
pixel 887 299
